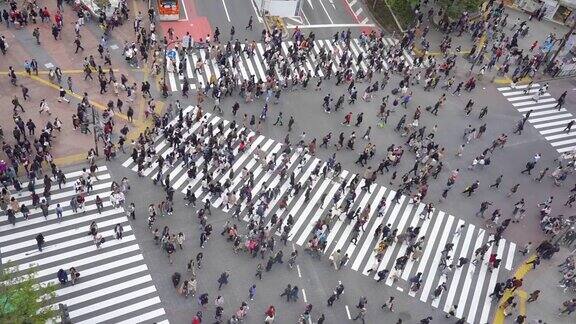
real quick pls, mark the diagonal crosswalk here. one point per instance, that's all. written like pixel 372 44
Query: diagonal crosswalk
pixel 545 117
pixel 115 285
pixel 244 65
pixel 467 286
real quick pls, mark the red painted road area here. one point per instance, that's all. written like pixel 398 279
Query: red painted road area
pixel 366 30
pixel 197 26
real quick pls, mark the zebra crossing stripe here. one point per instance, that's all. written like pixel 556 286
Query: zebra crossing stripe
pixel 102 287
pixel 429 246
pixel 544 116
pixel 480 284
pixel 256 65
pixel 304 178
pixel 443 278
pixel 189 72
pixel 536 108
pixel 469 274
pixel 510 258
pixel 363 204
pixel 339 223
pixel 267 174
pixel 400 215
pixel 364 248
pixel 458 271
pixel 523 86
pixel 491 285
pixel 304 215
pixel 528 97
pixel 431 274
pixel 284 187
pixel 53 237
pixel 391 220
pixel 122 311
pixel 77 241
pixel 404 246
pixel 112 301
pixel 214 121
pixel 195 61
pixel 66 222
pixel 253 162
pixel 83 284
pixel 145 317
pixel 39 186
pixel 109 290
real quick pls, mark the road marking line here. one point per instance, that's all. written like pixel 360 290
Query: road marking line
pixel 431 275
pixel 256 11
pixel 491 284
pixel 226 10
pixel 145 317
pixel 469 274
pixel 304 295
pixel 119 312
pixel 328 25
pixel 185 12
pixel 306 18
pixel 423 262
pixel 365 21
pixel 299 273
pixel 458 273
pixel 326 11
pixel 348 312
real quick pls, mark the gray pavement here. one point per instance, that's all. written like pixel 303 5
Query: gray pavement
pixel 110 290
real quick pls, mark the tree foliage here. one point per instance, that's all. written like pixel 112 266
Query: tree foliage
pixel 23 299
pixel 404 10
pixel 454 8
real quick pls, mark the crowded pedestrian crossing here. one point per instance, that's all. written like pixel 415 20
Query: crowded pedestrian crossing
pixel 199 69
pixel 545 116
pixel 114 283
pixel 467 286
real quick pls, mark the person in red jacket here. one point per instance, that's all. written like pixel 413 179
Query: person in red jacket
pixel 197 319
pixel 271 312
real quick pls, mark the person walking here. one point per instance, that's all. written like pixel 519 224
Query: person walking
pixel 471 188
pixel 119 231
pixel 497 183
pixel 59 212
pixel 40 241
pixel 361 314
pixel 223 280
pixel 533 296
pixel 252 292
pixel 279 120
pixel 180 239
pixel 561 100
pixel 287 291
pixel 568 127
pixel 389 304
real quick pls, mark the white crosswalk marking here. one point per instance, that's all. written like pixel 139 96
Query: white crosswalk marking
pixel 463 286
pixel 115 283
pixel 545 116
pixel 257 66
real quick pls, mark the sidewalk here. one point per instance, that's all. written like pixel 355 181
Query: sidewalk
pixel 60 53
pixel 538 31
pixel 544 278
